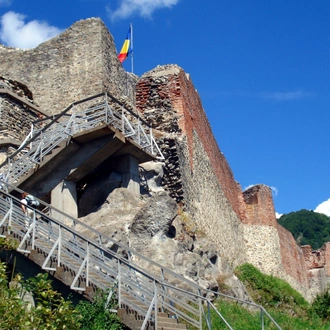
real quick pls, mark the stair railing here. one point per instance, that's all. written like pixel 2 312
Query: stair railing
pixel 80 116
pixel 95 265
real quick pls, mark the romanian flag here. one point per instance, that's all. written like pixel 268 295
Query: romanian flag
pixel 127 47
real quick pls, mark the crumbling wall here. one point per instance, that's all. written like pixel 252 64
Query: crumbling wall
pixel 168 100
pixel 80 62
pixel 259 206
pixel 318 266
pixel 17 113
pixel 271 247
pixel 243 225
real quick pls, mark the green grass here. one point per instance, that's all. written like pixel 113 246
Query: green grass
pixel 240 318
pixel 285 305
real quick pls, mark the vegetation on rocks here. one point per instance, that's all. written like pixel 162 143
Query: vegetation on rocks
pixel 307 227
pixel 285 305
pixel 50 311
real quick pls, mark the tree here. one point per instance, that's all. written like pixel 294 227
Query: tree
pixel 307 227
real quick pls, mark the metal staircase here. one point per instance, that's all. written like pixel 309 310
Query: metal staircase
pixel 93 113
pixel 149 295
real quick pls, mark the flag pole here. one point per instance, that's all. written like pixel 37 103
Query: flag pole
pixel 131 27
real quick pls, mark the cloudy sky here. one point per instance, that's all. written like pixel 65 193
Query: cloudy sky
pixel 261 68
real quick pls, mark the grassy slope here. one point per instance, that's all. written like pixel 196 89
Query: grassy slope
pixel 288 308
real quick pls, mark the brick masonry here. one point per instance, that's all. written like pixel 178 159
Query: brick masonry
pixel 82 61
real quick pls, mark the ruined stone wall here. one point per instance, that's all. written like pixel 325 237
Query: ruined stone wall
pixel 210 206
pixel 169 101
pixel 167 92
pixel 78 63
pixel 17 113
pixel 259 206
pixel 317 258
pixel 293 261
pixel 15 120
pixel 272 248
pixel 318 266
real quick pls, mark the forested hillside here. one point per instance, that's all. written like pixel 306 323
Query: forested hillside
pixel 307 227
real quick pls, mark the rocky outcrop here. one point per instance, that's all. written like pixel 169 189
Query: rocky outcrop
pixel 158 229
pixel 151 176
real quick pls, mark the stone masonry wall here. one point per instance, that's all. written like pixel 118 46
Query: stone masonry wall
pixel 209 189
pixel 16 117
pixel 80 62
pixel 15 120
pixel 259 206
pixel 272 248
pixel 168 100
pixel 168 92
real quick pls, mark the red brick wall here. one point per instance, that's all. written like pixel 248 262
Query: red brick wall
pixel 293 258
pixel 185 100
pixel 317 258
pixel 259 206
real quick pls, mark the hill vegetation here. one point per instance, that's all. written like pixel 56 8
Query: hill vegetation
pixel 51 310
pixel 285 305
pixel 307 227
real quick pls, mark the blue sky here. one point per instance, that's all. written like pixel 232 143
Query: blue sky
pixel 261 69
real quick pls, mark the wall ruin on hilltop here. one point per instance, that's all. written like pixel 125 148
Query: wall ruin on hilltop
pixel 17 113
pixel 82 61
pixel 211 195
pixel 243 225
pixel 78 63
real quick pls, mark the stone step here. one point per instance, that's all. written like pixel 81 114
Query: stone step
pixel 164 322
pixel 168 325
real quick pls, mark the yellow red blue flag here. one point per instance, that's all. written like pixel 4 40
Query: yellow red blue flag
pixel 127 47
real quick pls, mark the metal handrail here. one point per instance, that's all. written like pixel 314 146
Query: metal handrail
pixel 97 110
pixel 96 265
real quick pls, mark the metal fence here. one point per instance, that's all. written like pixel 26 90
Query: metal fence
pixel 99 261
pixel 102 109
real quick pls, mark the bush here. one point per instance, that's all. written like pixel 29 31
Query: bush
pixel 321 305
pixel 271 291
pixel 94 316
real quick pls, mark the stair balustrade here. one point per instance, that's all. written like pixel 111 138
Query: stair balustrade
pixel 82 116
pixel 98 261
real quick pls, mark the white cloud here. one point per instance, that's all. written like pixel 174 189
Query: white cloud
pixel 14 32
pixel 274 189
pixel 144 8
pixel 278 215
pixel 5 2
pixel 324 208
pixel 286 96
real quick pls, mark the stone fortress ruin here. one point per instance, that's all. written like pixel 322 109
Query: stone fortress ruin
pixel 241 226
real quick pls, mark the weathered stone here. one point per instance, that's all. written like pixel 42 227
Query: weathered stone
pixel 152 173
pixel 155 217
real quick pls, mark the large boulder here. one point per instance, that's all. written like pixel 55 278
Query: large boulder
pixel 155 217
pixel 115 216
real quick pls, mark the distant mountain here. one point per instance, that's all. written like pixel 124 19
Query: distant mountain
pixel 307 227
